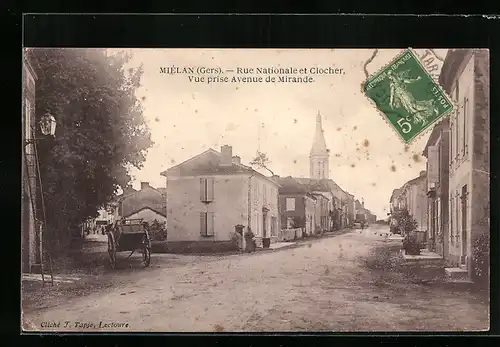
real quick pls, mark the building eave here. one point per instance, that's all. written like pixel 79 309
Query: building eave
pixel 436 131
pixel 452 64
pixel 145 208
pixel 31 62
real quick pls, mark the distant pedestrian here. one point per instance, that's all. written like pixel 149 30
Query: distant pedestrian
pixel 249 240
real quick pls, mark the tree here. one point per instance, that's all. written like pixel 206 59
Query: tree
pixel 405 221
pixel 157 230
pixel 100 133
pixel 481 247
pixel 262 161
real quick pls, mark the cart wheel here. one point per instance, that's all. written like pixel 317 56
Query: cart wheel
pixel 111 251
pixel 146 253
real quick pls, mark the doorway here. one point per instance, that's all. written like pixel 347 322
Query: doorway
pixel 464 226
pixel 26 233
pixel 264 224
pixel 432 225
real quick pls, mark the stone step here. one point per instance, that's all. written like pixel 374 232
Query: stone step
pixel 456 273
pixel 424 260
pixel 57 279
pixel 464 281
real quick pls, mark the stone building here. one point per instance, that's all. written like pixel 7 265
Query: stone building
pixel 465 77
pixel 30 249
pixel 437 153
pixel 212 193
pixel 412 196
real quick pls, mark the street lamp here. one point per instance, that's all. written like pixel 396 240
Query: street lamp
pixel 47 127
pixel 48 124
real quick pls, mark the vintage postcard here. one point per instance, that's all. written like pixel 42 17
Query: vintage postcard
pixel 255 190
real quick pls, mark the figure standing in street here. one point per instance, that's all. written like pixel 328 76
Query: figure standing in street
pixel 249 241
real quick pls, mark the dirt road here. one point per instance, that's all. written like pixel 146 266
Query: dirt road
pixel 323 286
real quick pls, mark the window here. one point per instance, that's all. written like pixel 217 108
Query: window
pixel 452 220
pixel 465 123
pixel 256 192
pixel 450 159
pixel 273 226
pixel 258 226
pixel 453 126
pixel 439 156
pixel 207 189
pixel 264 194
pixel 207 223
pixel 457 125
pixel 27 120
pixel 439 221
pixel 290 204
pixel 459 129
pixel 457 215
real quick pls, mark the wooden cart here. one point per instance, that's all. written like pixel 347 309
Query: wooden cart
pixel 129 235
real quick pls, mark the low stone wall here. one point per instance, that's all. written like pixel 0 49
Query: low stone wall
pixel 291 234
pixel 193 247
pixel 258 240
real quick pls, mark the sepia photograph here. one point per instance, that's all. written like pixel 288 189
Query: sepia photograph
pixel 255 190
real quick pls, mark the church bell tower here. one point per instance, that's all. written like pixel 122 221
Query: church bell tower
pixel 319 157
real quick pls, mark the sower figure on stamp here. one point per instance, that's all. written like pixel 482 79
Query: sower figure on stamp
pixel 400 97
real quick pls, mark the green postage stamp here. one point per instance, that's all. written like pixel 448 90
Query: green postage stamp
pixel 407 96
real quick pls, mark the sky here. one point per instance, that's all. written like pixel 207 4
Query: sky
pixel 367 158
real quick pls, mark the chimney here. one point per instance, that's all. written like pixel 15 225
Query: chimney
pixel 144 185
pixel 236 160
pixel 422 173
pixel 226 155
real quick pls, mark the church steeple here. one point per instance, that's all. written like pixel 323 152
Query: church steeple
pixel 319 155
pixel 319 143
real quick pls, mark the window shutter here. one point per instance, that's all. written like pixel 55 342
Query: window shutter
pixel 433 164
pixel 466 125
pixel 202 189
pixel 203 223
pixel 210 189
pixel 28 118
pixel 210 222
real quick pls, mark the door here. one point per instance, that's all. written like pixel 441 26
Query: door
pixel 26 233
pixel 432 230
pixel 435 223
pixel 464 225
pixel 264 225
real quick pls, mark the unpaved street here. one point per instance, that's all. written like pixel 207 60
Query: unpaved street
pixel 324 285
